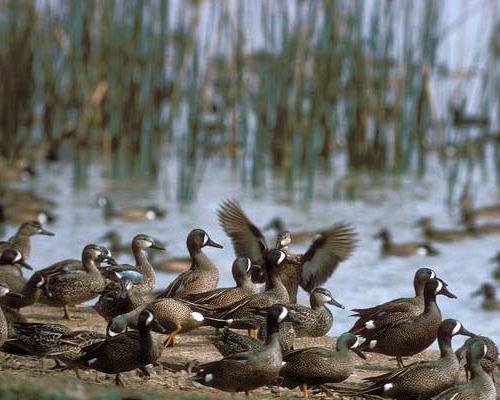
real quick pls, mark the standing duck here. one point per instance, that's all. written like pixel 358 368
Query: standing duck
pixel 441 235
pixel 398 309
pixel 250 370
pixel 422 380
pixel 490 302
pixel 22 239
pixel 389 248
pixel 317 320
pixel 136 214
pixel 11 264
pixel 124 352
pixel 244 312
pixel 318 365
pixel 64 288
pixel 203 274
pixel 480 387
pixel 409 336
pixel 329 248
pixel 221 297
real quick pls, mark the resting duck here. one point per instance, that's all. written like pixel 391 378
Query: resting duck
pixel 440 235
pixel 137 214
pixel 490 302
pixel 389 248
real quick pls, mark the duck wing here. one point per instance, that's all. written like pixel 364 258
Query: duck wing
pixel 319 351
pixel 248 241
pixel 179 284
pixel 327 251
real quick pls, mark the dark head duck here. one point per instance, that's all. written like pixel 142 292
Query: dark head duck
pixel 13 257
pixel 197 239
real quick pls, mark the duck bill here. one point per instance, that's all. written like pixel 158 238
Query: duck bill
pixel 46 232
pixel 110 260
pixel 359 353
pixel 335 303
pixel 445 292
pixel 292 260
pixel 24 264
pixel 157 327
pixel 158 246
pixel 465 332
pixel 211 243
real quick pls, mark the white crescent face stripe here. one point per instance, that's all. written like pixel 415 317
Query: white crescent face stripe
pixel 439 287
pixel 205 239
pixel 433 274
pixel 282 257
pixel 18 256
pixel 149 319
pixel 457 328
pixel 111 333
pixel 283 314
pixel 249 264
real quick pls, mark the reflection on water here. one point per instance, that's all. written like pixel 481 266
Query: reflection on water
pixel 363 280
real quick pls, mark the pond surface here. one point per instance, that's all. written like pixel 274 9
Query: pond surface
pixel 364 280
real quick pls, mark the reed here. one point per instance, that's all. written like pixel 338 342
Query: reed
pixel 281 87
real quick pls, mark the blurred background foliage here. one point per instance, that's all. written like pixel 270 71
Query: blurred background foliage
pixel 294 88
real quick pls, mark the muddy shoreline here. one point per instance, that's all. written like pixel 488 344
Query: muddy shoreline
pixel 28 377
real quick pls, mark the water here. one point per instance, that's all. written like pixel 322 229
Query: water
pixel 364 280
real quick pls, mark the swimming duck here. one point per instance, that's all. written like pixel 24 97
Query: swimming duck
pixel 389 248
pixel 410 336
pixel 440 235
pixel 318 365
pixel 244 312
pixel 171 264
pixel 203 274
pixel 490 302
pixel 422 380
pixel 64 288
pixel 19 214
pixel 480 387
pixel 278 226
pixel 496 272
pixel 330 247
pixel 22 239
pixel 11 264
pixel 395 310
pixel 136 214
pixel 489 361
pixel 317 320
pixel 115 244
pixel 124 352
pixel 250 370
pixel 221 297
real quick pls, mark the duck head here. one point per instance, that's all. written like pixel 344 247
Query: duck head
pixel 33 228
pixel 198 238
pixel 349 341
pixel 435 287
pixel 144 241
pixel 13 257
pixel 321 296
pixel 451 327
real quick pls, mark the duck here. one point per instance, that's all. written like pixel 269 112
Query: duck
pixel 174 315
pixel 490 302
pixel 440 235
pixel 4 327
pixel 278 226
pixel 29 294
pixel 389 248
pixel 25 199
pixel 20 214
pixel 319 365
pixel 221 297
pixel 329 248
pixel 114 241
pixel 22 239
pixel 317 320
pixel 481 386
pixel 64 288
pixel 496 272
pixel 410 336
pixel 469 213
pixel 119 299
pixel 11 273
pixel 137 214
pixel 124 352
pixel 244 313
pixel 398 309
pixel 171 265
pixel 424 379
pixel 489 361
pixel 244 372
pixel 203 275
pixel 486 229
